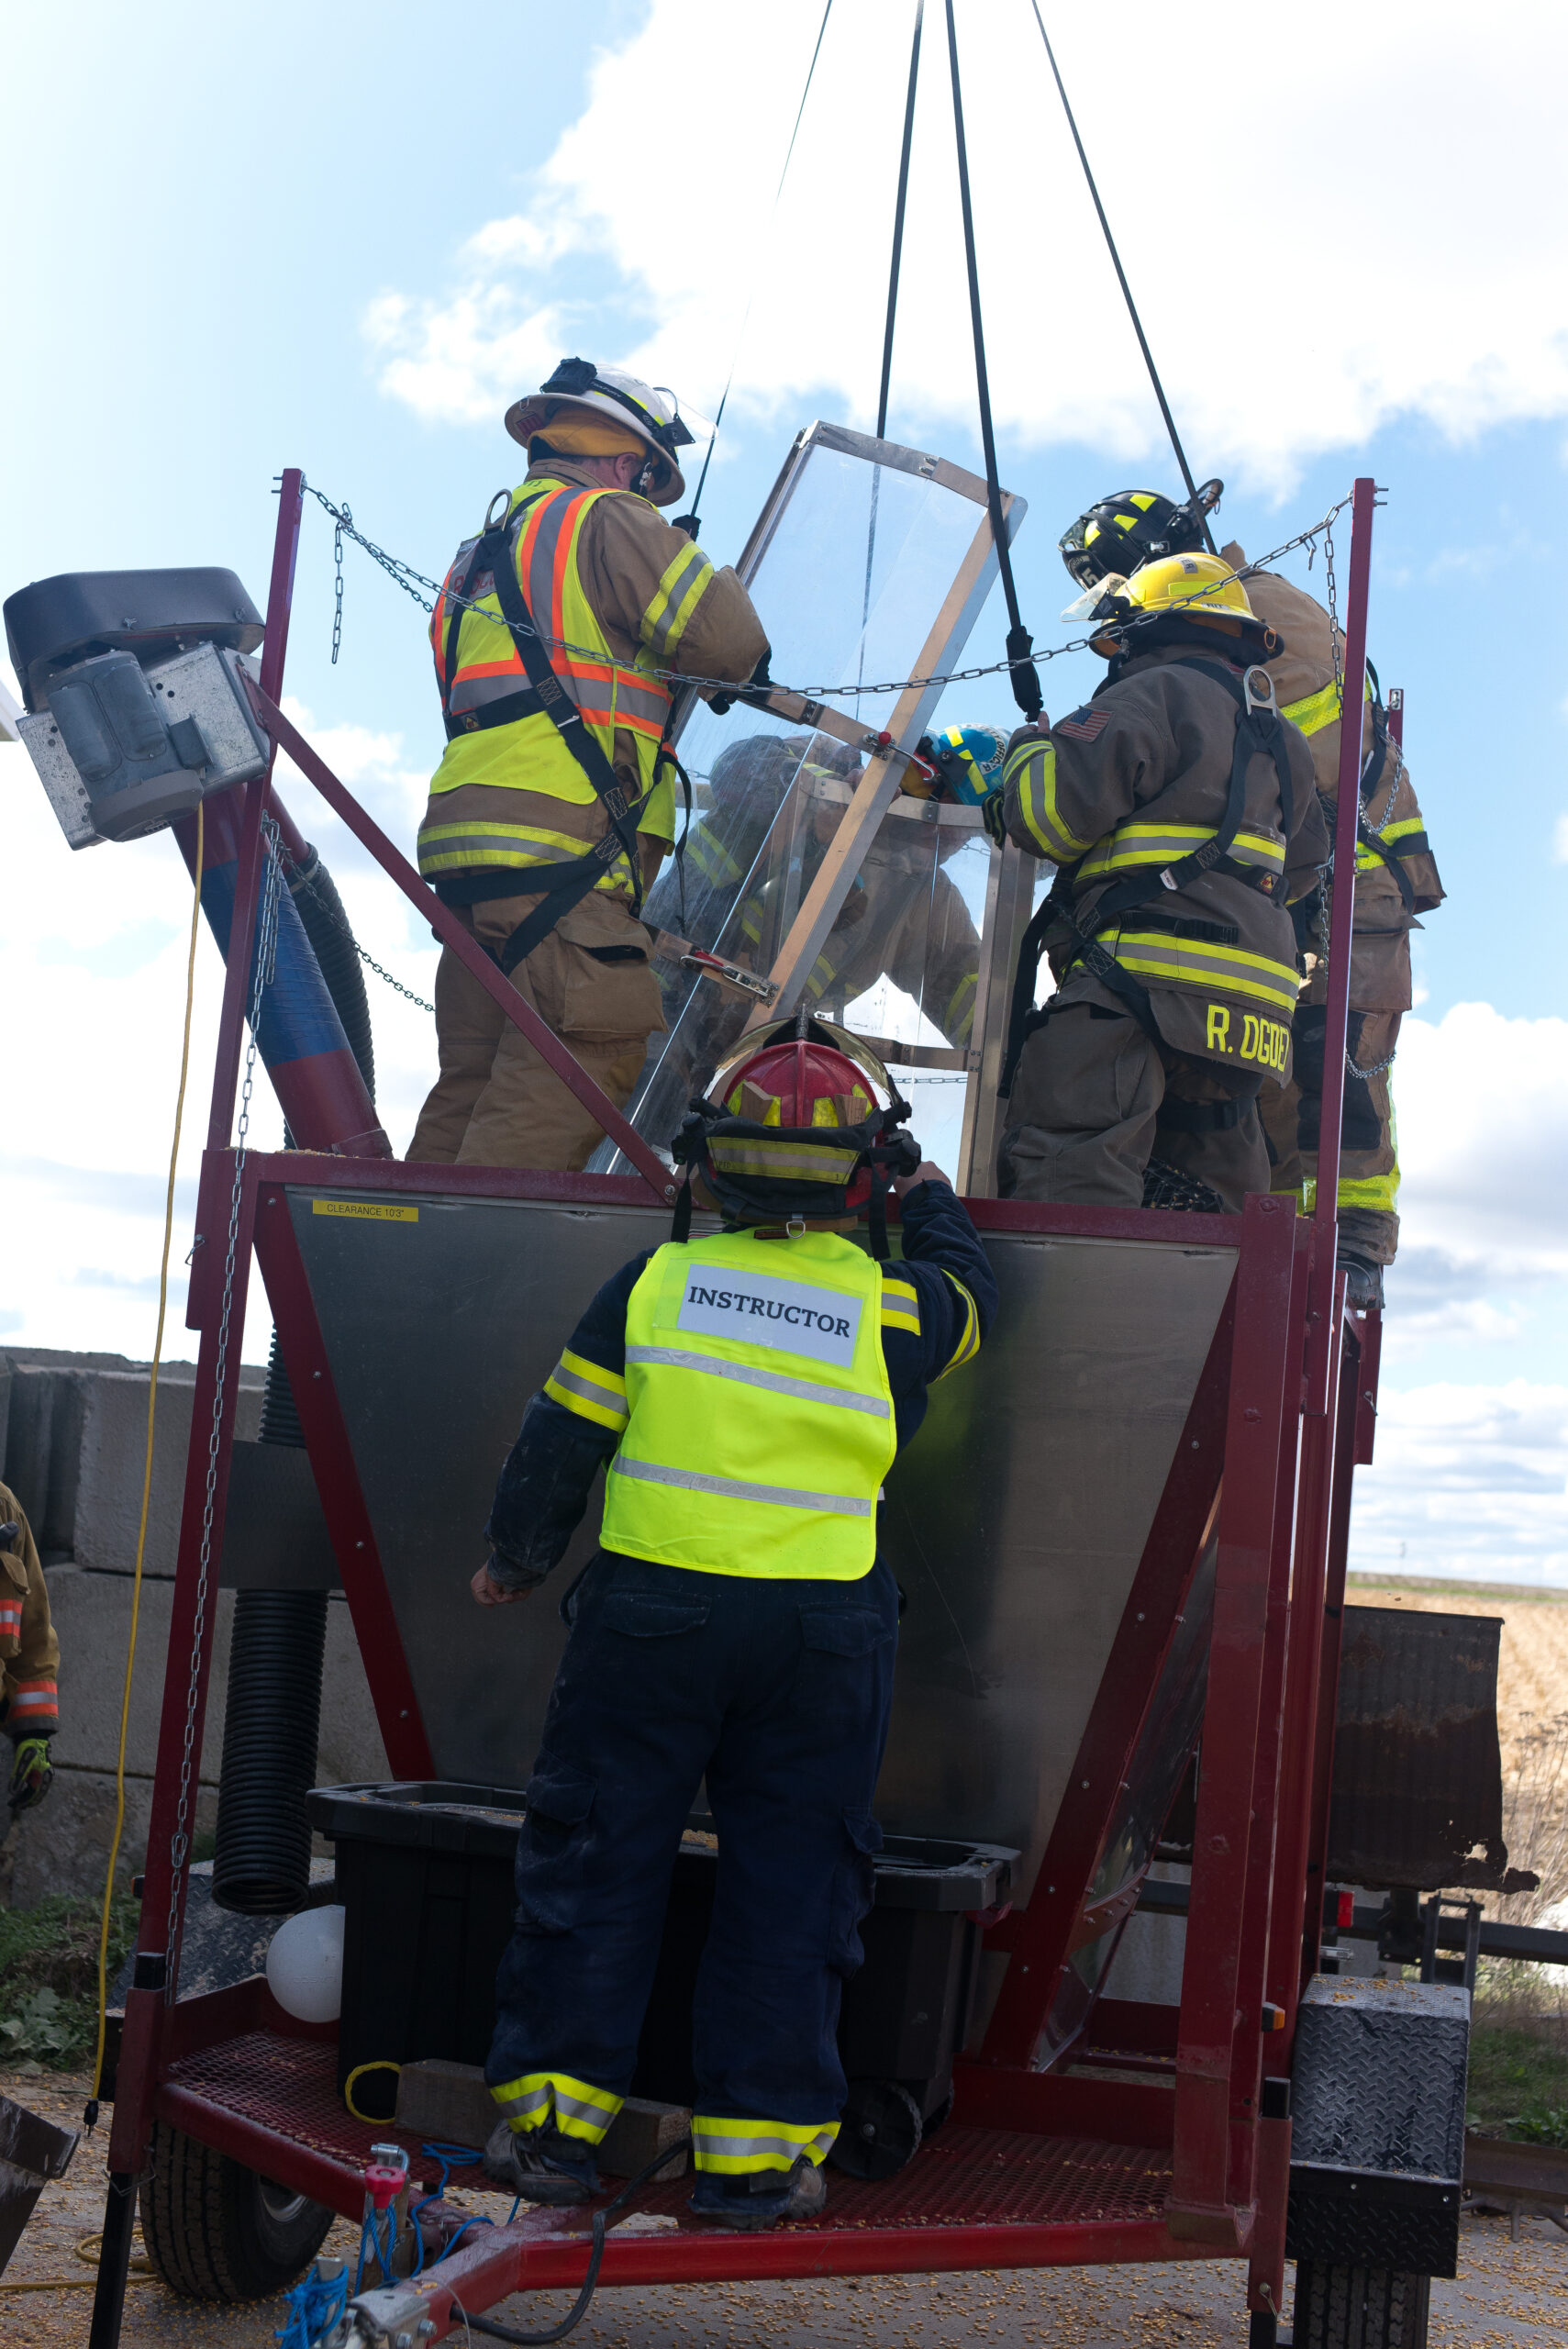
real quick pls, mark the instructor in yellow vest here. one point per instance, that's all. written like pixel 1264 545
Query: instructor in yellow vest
pixel 746 1394
pixel 552 810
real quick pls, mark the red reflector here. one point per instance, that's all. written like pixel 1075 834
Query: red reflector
pixel 1347 1910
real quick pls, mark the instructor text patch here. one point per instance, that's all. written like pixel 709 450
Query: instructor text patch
pixel 790 1315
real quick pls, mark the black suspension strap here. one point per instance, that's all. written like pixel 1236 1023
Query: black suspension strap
pixel 898 223
pixel 1126 290
pixel 1021 643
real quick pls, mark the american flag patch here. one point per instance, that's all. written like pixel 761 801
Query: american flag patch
pixel 1084 725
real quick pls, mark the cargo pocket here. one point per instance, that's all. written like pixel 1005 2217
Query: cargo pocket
pixel 647 1615
pixel 853 1890
pixel 610 992
pixel 557 1802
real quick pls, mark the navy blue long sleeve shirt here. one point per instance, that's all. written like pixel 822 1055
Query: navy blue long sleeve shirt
pixel 939 1304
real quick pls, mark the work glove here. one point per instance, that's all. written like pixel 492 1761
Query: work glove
pixel 32 1774
pixel 757 683
pixel 992 816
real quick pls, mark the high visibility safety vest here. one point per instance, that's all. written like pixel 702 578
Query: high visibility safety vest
pixel 760 1418
pixel 479 672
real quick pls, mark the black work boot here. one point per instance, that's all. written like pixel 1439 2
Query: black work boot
pixel 760 2197
pixel 540 2164
pixel 1364 1281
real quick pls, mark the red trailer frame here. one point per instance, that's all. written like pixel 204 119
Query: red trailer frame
pixel 1035 2167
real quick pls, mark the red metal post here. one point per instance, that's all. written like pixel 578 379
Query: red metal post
pixel 1348 812
pixel 1329 1667
pixel 237 975
pixel 1210 2093
pixel 193 1617
pixel 452 933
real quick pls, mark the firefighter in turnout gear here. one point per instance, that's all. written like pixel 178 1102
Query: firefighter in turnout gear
pixel 553 807
pixel 1178 809
pixel 1396 882
pixel 29 1658
pixel 746 1393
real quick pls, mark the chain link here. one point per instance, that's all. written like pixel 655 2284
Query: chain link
pixel 265 966
pixel 345 520
pixel 412 582
pixel 290 867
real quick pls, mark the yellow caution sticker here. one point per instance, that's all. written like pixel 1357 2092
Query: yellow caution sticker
pixel 367 1211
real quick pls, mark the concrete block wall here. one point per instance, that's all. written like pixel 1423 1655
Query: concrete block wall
pixel 73 1440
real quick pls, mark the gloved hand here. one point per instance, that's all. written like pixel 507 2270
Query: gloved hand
pixel 992 816
pixel 756 684
pixel 32 1774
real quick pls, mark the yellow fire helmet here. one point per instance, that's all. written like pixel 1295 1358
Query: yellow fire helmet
pixel 1198 588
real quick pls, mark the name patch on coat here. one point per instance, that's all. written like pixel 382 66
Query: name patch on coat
pixel 790 1315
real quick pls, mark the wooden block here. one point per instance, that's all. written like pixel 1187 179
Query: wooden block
pixel 447 2103
pixel 451 2104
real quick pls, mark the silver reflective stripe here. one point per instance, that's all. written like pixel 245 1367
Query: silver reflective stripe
pixel 729 1488
pixel 872 1404
pixel 812 1162
pixel 675 594
pixel 605 1398
pixel 478 692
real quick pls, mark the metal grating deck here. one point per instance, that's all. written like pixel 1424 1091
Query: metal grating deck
pixel 964 2178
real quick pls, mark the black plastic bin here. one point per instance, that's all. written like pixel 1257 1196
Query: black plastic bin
pixel 425 1879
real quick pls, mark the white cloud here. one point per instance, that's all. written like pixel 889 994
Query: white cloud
pixel 1482 1108
pixel 1315 251
pixel 1469 1481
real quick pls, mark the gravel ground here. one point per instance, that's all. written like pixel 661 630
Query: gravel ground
pixel 1505 2293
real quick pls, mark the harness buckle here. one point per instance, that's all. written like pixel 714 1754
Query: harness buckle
pixel 795 1228
pixel 503 498
pixel 1258 689
pixel 1167 881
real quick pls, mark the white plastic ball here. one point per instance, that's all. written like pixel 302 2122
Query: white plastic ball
pixel 305 1965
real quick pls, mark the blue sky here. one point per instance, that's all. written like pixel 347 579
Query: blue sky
pixel 344 238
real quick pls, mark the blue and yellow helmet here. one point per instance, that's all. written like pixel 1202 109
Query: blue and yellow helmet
pixel 968 758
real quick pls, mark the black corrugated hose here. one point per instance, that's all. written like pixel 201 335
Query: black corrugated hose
pixel 272 1726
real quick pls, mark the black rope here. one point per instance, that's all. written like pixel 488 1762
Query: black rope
pixel 729 379
pixel 1020 644
pixel 898 223
pixel 578 2309
pixel 1127 290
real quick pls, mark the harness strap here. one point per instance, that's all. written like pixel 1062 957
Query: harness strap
pixel 1258 732
pixel 494 549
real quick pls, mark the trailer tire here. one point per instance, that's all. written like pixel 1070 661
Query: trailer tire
pixel 1360 2308
pixel 878 2132
pixel 217 2230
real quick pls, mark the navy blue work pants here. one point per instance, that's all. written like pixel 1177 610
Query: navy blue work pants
pixel 777 1692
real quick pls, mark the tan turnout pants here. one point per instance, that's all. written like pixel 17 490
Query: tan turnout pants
pixel 496 1102
pixel 1084 1117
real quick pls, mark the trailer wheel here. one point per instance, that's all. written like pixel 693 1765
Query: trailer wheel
pixel 880 2130
pixel 1360 2308
pixel 217 2230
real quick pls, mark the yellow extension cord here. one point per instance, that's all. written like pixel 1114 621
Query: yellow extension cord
pixel 147 1476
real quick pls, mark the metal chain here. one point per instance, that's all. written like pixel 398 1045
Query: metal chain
pixel 265 965
pixel 368 960
pixel 345 519
pixel 412 582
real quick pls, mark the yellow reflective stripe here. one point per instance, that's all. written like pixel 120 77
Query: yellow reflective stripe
pixel 676 597
pixel 1179 961
pixel 1033 767
pixel 733 2147
pixel 805 1162
pixel 1402 830
pixel 900 1306
pixel 448 848
pixel 594 1394
pixel 1369 1190
pixel 1314 711
pixel 1136 844
pixel 958 1020
pixel 968 1346
pixel 578 2108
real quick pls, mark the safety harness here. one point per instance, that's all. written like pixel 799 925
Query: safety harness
pixel 494 550
pixel 1373 766
pixel 1257 732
